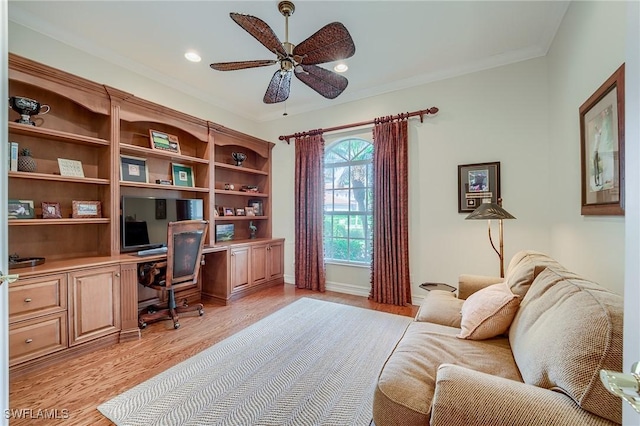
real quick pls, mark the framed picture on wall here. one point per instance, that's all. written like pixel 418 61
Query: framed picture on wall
pixel 478 183
pixel 602 148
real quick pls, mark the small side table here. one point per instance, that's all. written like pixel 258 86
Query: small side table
pixel 437 286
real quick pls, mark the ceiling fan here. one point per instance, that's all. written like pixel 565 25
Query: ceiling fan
pixel 330 43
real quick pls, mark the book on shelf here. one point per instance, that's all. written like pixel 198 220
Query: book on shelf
pixel 13 156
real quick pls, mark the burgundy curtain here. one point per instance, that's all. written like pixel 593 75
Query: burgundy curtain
pixel 390 281
pixel 309 197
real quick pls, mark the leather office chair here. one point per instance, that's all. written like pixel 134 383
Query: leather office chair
pixel 185 241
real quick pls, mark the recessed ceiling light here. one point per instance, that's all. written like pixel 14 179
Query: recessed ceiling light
pixel 340 67
pixel 192 56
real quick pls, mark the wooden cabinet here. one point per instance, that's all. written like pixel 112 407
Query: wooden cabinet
pixel 77 127
pixel 239 265
pixel 267 261
pixel 247 185
pixel 94 303
pixel 37 317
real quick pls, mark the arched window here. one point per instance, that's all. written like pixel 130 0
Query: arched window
pixel 348 201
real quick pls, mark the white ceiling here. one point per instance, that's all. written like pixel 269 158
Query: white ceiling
pixel 399 44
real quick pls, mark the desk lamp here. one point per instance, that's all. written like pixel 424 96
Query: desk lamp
pixel 490 211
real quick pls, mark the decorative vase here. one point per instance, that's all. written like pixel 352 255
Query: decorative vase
pixel 26 163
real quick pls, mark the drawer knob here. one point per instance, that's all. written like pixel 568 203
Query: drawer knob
pixel 117 274
pixel 28 341
pixel 28 299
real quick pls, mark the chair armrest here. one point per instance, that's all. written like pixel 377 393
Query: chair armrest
pixel 467 397
pixel 469 284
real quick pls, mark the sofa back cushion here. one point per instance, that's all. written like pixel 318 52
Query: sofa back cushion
pixel 565 331
pixel 523 269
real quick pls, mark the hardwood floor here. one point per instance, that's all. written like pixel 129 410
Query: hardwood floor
pixel 74 389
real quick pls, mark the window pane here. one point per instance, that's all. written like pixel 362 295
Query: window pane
pixel 341 177
pixel 340 223
pixel 328 200
pixel 357 251
pixel 340 248
pixel 327 226
pixel 341 200
pixel 356 227
pixel 328 178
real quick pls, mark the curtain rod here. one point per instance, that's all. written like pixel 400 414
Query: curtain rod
pixel 402 116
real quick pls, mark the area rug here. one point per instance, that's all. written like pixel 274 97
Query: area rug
pixel 310 363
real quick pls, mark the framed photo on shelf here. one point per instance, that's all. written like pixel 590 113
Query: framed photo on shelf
pixel 240 211
pixel 225 232
pixel 20 209
pixel 86 209
pixel 70 167
pixel 182 175
pixel 478 183
pixel 250 211
pixel 164 141
pixel 228 211
pixel 257 207
pixel 602 148
pixel 133 169
pixel 51 210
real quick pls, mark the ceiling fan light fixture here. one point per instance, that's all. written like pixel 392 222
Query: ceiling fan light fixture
pixel 192 56
pixel 341 67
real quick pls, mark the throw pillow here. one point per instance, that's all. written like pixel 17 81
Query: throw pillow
pixel 488 312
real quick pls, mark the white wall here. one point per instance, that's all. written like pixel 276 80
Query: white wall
pixel 588 48
pixel 494 115
pixel 524 115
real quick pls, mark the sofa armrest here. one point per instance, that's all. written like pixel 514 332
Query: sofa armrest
pixel 469 284
pixel 467 397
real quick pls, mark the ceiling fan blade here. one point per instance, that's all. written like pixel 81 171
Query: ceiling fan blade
pixel 240 65
pixel 278 90
pixel 327 83
pixel 260 30
pixel 330 43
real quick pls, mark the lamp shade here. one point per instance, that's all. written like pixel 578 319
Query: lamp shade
pixel 489 211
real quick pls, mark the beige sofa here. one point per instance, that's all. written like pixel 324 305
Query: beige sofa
pixel 543 371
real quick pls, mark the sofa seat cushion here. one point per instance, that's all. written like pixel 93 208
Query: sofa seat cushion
pixel 565 331
pixel 406 385
pixel 441 307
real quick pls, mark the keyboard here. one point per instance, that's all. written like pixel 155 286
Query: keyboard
pixel 151 252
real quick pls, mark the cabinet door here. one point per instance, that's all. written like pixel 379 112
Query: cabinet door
pixel 259 265
pixel 94 303
pixel 276 260
pixel 239 267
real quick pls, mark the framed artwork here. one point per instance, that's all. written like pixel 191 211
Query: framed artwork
pixel 133 169
pixel 478 183
pixel 182 175
pixel 51 210
pixel 257 207
pixel 164 142
pixel 225 232
pixel 86 209
pixel 228 211
pixel 161 208
pixel 250 211
pixel 602 148
pixel 240 211
pixel 20 209
pixel 70 167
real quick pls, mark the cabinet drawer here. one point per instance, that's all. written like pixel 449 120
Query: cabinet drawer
pixel 37 337
pixel 37 296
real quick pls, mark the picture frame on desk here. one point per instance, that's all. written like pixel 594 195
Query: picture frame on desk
pixel 182 175
pixel 162 141
pixel 86 209
pixel 20 209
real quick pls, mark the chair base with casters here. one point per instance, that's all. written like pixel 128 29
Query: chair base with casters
pixel 171 311
pixel 185 241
